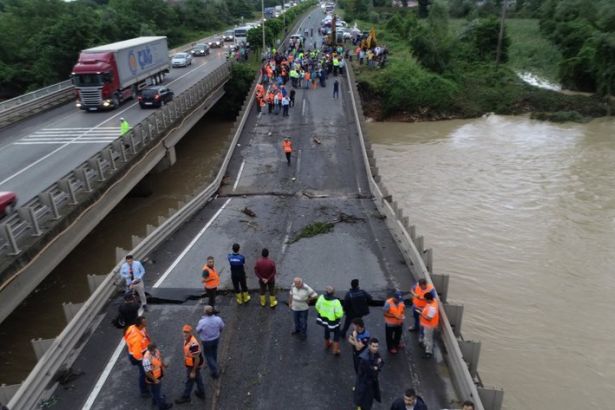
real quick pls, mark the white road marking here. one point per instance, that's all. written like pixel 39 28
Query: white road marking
pixel 239 175
pixel 303 108
pixel 285 241
pixel 118 350
pixel 298 162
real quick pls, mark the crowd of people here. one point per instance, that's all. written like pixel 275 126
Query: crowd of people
pixel 284 72
pixel 201 342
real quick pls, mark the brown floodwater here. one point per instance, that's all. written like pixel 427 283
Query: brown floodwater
pixel 521 215
pixel 41 314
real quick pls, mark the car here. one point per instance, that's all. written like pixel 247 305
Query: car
pixel 229 35
pixel 181 60
pixel 155 96
pixel 200 50
pixel 216 42
pixel 8 203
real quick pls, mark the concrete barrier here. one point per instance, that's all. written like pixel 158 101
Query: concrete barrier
pixel 411 248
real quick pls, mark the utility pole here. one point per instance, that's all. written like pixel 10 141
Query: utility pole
pixel 263 23
pixel 498 53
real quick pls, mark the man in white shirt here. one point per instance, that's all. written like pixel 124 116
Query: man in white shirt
pixel 132 271
pixel 298 300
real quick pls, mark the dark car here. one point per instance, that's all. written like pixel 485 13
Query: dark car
pixel 200 50
pixel 216 42
pixel 229 35
pixel 155 96
pixel 8 202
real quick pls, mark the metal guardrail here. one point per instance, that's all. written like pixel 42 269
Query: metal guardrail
pixel 31 96
pixel 44 212
pixel 458 367
pixel 60 353
pixel 51 96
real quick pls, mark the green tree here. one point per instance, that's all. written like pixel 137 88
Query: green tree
pixel 480 40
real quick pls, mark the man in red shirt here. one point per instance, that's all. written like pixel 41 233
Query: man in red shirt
pixel 265 271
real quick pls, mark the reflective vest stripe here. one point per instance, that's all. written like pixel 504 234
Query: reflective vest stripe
pixel 188 358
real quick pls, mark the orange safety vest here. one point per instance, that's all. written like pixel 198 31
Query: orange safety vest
pixel 156 362
pixel 434 321
pixel 419 300
pixel 137 341
pixel 393 316
pixel 212 281
pixel 287 145
pixel 270 98
pixel 188 359
pixel 306 75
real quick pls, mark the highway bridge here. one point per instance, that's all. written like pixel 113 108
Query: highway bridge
pixel 69 169
pixel 333 175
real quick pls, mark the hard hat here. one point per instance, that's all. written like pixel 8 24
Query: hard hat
pixel 187 328
pixel 122 119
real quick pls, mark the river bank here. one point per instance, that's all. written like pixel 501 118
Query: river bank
pixel 438 69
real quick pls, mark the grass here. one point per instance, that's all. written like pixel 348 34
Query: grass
pixel 529 49
pixel 313 229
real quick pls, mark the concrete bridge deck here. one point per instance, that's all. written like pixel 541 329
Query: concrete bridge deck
pixel 263 367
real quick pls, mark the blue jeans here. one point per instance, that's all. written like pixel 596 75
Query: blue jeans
pixel 200 387
pixel 141 381
pixel 210 349
pixel 157 396
pixel 300 317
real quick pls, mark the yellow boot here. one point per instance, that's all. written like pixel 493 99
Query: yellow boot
pixel 272 302
pixel 263 300
pixel 238 298
pixel 246 297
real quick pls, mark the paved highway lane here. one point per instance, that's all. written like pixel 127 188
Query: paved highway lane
pixel 37 152
pixel 263 366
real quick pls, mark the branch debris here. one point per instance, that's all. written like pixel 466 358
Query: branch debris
pixel 319 228
pixel 248 212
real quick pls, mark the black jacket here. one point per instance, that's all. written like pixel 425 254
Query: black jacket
pixel 356 303
pixel 400 405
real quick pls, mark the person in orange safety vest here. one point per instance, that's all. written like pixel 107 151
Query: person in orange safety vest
pixel 211 280
pixel 418 292
pixel 430 319
pixel 137 340
pixel 193 360
pixel 287 145
pixel 153 366
pixel 394 315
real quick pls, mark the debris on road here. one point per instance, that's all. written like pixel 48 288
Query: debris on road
pixel 317 141
pixel 248 212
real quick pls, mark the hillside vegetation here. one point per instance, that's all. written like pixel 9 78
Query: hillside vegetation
pixel 441 68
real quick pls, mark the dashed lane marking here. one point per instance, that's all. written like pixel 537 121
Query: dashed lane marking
pixel 120 347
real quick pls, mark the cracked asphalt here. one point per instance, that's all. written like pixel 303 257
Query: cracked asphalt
pixel 263 367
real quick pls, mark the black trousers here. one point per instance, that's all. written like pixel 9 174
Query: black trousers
pixel 269 286
pixel 393 336
pixel 239 281
pixel 288 157
pixel 211 296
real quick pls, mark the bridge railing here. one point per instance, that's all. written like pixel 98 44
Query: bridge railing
pixel 461 356
pixel 44 216
pixel 51 96
pixel 61 351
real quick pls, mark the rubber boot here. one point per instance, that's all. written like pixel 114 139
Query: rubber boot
pixel 238 298
pixel 336 348
pixel 327 344
pixel 263 300
pixel 272 302
pixel 246 297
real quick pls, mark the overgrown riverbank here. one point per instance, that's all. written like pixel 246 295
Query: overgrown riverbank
pixel 440 69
